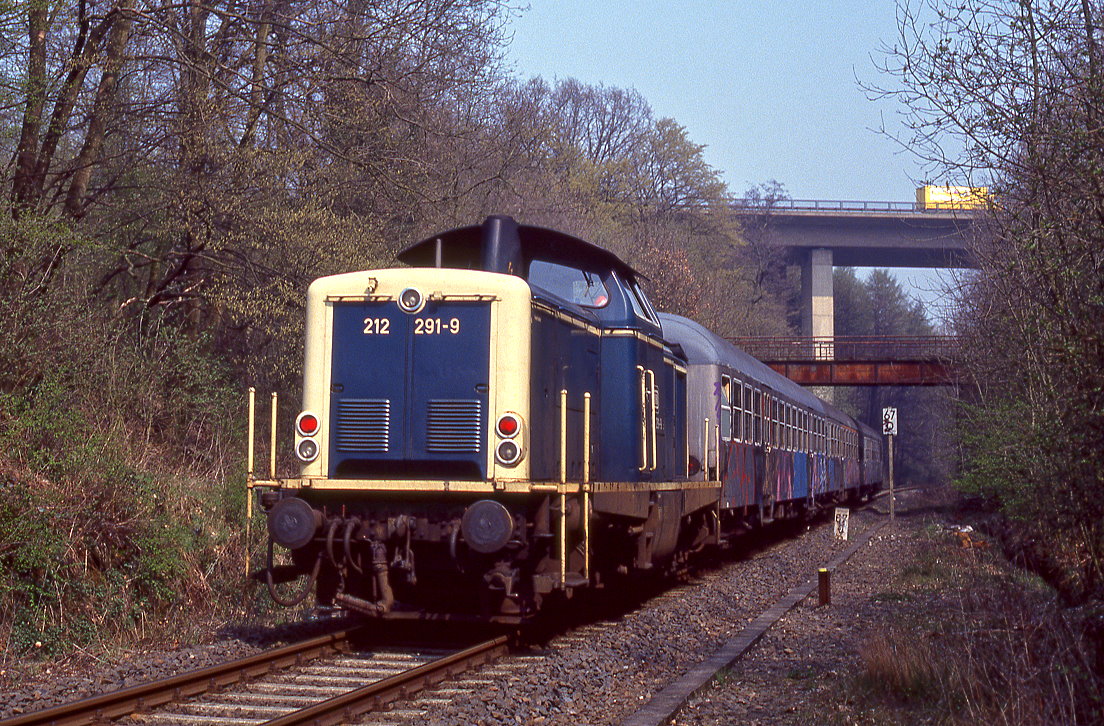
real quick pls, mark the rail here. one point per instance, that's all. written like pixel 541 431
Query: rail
pixel 156 693
pixel 347 707
pixel 851 348
pixel 335 710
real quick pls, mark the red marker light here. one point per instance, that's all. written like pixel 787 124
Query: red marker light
pixel 307 424
pixel 508 426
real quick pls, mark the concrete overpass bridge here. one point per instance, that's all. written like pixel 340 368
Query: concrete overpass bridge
pixel 819 234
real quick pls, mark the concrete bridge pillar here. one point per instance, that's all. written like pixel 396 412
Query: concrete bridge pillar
pixel 817 299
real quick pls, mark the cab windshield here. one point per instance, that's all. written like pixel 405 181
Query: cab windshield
pixel 576 285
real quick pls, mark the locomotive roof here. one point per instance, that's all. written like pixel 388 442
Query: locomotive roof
pixel 500 240
pixel 703 347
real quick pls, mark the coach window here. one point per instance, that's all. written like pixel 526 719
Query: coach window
pixel 791 434
pixel 747 413
pixel 737 409
pixel 757 418
pixel 797 428
pixel 767 433
pixel 570 283
pixel 760 417
pixel 783 425
pixel 791 427
pixel 783 443
pixel 768 420
pixel 726 408
pixel 795 415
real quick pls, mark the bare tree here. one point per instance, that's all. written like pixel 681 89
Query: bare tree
pixel 1011 95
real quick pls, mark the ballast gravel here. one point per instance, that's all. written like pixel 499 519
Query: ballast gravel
pixel 603 671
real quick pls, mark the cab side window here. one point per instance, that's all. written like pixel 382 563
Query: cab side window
pixel 642 308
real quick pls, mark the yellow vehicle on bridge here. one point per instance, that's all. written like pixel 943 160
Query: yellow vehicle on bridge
pixel 950 197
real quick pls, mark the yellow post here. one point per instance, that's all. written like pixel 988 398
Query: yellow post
pixel 643 418
pixel 586 486
pixel 563 482
pixel 249 475
pixel 654 405
pixel 252 416
pixel 717 442
pixel 272 442
pixel 705 450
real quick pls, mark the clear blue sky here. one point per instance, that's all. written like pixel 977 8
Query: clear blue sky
pixel 769 87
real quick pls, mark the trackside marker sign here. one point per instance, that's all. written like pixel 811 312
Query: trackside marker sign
pixel 889 421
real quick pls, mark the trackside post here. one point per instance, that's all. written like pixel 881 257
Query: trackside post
pixel 249 475
pixel 889 428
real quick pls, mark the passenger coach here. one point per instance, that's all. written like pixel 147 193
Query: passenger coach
pixel 776 449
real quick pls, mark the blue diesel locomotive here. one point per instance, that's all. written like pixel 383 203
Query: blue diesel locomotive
pixel 509 419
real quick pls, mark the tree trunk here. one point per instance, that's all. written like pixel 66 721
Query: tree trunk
pixel 26 154
pixel 102 110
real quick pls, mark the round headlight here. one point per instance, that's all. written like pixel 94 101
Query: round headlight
pixel 306 450
pixel 508 452
pixel 487 526
pixel 292 522
pixel 410 300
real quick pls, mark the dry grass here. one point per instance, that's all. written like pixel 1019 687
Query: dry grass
pixel 986 643
pixel 901 664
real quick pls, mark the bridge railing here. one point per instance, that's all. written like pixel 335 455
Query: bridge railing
pixel 849 205
pixel 845 205
pixel 851 348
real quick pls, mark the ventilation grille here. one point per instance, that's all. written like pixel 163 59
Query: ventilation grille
pixel 364 424
pixel 454 427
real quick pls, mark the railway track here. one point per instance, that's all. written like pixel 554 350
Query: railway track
pixel 318 681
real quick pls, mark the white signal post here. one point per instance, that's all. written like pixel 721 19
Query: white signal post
pixel 889 429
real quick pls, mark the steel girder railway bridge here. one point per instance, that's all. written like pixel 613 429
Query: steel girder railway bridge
pixel 860 361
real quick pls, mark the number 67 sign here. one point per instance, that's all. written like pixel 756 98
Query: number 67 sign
pixel 889 421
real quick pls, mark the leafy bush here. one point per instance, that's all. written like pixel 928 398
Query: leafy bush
pixel 117 501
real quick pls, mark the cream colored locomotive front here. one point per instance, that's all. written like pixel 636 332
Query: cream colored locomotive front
pixel 508 350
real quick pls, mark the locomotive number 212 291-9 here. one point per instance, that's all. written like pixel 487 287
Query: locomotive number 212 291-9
pixel 422 326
